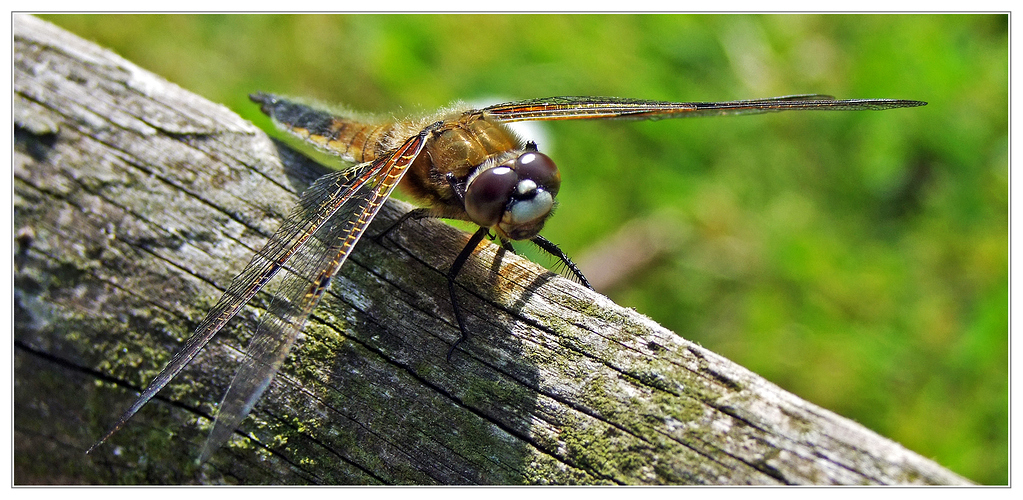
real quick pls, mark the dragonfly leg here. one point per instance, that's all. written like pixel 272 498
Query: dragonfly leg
pixel 553 249
pixel 457 187
pixel 422 213
pixel 415 214
pixel 456 267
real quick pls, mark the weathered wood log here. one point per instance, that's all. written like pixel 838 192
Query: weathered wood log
pixel 136 202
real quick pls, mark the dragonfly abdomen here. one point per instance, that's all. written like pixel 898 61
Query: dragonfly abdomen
pixel 353 140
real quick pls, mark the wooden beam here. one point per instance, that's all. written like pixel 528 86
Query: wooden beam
pixel 136 202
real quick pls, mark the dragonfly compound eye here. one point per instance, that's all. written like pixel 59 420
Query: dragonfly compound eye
pixel 532 197
pixel 488 194
pixel 541 169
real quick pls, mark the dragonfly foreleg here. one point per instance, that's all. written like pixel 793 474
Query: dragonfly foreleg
pixel 457 187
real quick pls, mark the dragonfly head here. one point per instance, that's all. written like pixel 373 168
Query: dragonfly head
pixel 515 197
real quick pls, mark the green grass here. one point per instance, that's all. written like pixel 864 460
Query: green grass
pixel 858 260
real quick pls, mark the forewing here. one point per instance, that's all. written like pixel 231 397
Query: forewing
pixel 591 108
pixel 307 277
pixel 312 212
pixel 318 205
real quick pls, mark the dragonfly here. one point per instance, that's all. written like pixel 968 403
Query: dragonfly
pixel 460 163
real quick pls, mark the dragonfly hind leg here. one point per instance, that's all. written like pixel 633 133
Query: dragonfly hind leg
pixel 414 214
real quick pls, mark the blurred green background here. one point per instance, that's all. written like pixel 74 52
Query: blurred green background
pixel 858 260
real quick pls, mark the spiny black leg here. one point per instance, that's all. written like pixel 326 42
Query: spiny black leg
pixel 505 244
pixel 477 237
pixel 553 249
pixel 416 214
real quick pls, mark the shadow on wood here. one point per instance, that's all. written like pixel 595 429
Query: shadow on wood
pixel 136 202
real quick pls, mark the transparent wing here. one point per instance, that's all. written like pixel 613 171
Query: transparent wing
pixel 308 277
pixel 592 108
pixel 316 207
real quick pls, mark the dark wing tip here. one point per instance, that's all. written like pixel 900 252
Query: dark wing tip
pixel 111 432
pixel 905 103
pixel 900 103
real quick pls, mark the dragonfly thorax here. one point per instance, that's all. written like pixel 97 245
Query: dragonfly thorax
pixel 516 196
